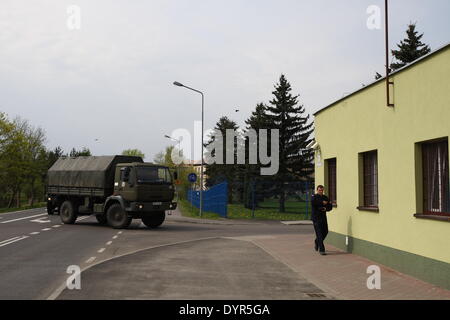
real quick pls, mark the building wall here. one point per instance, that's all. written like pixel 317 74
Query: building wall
pixel 362 122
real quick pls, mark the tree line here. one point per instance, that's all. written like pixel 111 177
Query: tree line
pixel 24 161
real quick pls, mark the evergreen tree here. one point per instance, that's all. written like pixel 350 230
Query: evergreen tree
pixel 409 49
pixel 216 172
pixel 255 185
pixel 295 161
pixel 79 153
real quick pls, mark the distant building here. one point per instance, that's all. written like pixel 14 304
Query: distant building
pixel 387 169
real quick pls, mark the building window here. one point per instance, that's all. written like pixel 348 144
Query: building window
pixel 435 178
pixel 370 179
pixel 331 183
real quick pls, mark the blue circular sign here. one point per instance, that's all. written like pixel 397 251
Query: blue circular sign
pixel 192 177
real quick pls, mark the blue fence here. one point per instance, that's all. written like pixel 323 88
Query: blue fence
pixel 215 199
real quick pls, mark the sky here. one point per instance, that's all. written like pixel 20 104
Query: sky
pixel 107 85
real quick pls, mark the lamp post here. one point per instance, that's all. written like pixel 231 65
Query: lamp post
pixel 177 140
pixel 201 168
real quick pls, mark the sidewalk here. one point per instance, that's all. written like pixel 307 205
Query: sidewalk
pixel 344 275
pixel 340 274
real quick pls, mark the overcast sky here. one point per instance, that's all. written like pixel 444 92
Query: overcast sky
pixel 112 79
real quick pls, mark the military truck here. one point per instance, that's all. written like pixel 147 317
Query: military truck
pixel 116 189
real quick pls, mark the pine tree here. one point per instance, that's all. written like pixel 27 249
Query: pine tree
pixel 216 172
pixel 295 161
pixel 251 172
pixel 409 49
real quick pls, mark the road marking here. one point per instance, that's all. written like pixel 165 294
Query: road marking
pixel 34 233
pixel 56 226
pixel 108 243
pixel 46 229
pixel 12 241
pixel 39 220
pixel 83 218
pixel 120 232
pixel 101 250
pixel 8 240
pixel 37 215
pixel 63 286
pixel 90 259
pixel 115 237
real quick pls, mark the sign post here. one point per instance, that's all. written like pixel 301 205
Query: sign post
pixel 192 178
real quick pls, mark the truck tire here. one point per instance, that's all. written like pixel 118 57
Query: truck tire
pixel 117 217
pixel 101 218
pixel 68 212
pixel 155 220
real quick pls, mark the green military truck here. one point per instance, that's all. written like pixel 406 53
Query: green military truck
pixel 116 189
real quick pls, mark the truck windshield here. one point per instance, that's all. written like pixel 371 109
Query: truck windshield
pixel 153 175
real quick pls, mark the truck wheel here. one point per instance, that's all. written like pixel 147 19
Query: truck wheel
pixel 101 218
pixel 68 212
pixel 117 217
pixel 155 220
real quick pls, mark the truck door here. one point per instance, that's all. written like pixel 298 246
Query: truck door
pixel 127 183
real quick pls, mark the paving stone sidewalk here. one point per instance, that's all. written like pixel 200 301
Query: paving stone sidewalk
pixel 344 275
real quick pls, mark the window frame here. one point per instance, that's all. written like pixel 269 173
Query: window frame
pixel 444 193
pixel 371 186
pixel 331 183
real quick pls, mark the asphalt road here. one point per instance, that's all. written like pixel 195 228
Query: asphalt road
pixel 179 260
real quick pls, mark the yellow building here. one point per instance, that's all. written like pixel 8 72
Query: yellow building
pixel 386 168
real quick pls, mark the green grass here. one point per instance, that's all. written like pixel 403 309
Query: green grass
pixel 24 207
pixel 294 211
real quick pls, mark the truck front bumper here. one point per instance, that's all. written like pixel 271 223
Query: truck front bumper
pixel 151 206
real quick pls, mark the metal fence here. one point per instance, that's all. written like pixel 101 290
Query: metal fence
pixel 215 199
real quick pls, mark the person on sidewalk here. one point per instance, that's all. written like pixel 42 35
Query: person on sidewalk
pixel 320 205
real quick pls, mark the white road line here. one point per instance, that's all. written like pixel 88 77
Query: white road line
pixel 6 243
pixel 101 250
pixel 115 237
pixel 46 229
pixel 34 233
pixel 91 259
pixel 83 218
pixel 8 240
pixel 38 215
pixel 120 232
pixel 108 243
pixel 56 226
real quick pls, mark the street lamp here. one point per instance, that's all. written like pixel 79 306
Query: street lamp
pixel 177 140
pixel 201 168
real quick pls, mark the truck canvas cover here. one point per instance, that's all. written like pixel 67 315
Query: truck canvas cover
pixel 86 172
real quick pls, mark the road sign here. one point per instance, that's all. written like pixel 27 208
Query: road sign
pixel 192 177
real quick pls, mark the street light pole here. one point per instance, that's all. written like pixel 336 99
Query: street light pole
pixel 201 168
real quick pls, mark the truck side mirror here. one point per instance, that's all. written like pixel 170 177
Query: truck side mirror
pixel 125 174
